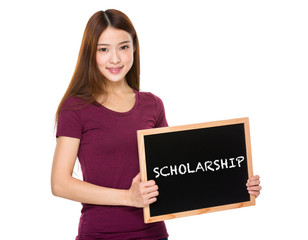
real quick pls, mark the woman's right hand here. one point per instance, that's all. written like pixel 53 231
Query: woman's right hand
pixel 142 194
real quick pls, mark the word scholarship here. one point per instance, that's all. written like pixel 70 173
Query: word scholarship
pixel 182 169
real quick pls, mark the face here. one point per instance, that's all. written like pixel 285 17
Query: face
pixel 115 54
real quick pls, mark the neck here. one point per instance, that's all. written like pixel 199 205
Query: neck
pixel 114 89
pixel 117 87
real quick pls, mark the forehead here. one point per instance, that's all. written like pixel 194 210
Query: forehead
pixel 113 36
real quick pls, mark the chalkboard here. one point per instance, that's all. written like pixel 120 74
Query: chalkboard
pixel 198 168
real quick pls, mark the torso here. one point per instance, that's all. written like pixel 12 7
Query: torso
pixel 108 155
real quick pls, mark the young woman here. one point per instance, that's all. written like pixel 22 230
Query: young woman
pixel 97 121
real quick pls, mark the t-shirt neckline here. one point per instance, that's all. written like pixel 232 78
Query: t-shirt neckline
pixel 132 110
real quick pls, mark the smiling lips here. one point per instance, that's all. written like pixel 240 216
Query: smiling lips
pixel 115 70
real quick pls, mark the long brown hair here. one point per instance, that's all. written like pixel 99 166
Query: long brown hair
pixel 87 81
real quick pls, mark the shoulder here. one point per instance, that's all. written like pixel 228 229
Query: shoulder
pixel 70 120
pixel 156 105
pixel 148 96
pixel 73 104
pixel 75 108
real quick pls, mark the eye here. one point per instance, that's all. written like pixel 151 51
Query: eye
pixel 124 47
pixel 102 49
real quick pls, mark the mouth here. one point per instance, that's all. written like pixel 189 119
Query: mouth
pixel 115 69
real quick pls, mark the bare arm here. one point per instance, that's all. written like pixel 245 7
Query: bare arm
pixel 64 185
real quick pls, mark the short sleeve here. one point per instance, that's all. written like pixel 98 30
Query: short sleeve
pixel 69 124
pixel 161 120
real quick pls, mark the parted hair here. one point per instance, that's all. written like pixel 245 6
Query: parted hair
pixel 87 82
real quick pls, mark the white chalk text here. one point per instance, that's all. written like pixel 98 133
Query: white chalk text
pixel 187 168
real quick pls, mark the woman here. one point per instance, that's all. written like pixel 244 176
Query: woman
pixel 97 121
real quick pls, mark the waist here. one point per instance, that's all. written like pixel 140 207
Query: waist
pixel 117 222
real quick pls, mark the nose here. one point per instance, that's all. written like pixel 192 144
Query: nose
pixel 114 57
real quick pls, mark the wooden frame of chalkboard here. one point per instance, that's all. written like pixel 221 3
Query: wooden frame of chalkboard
pixel 199 168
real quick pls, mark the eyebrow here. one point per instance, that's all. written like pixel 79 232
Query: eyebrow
pixel 105 44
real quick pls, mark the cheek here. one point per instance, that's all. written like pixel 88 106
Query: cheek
pixel 100 60
pixel 129 58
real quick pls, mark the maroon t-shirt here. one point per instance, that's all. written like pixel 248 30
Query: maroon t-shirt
pixel 108 156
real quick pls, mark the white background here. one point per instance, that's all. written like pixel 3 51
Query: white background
pixel 207 60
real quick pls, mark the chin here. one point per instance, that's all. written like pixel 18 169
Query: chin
pixel 112 79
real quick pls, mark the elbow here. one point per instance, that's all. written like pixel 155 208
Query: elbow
pixel 60 186
pixel 55 189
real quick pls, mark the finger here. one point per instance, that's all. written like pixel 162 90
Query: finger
pixel 137 178
pixel 152 200
pixel 253 183
pixel 254 178
pixel 149 183
pixel 254 193
pixel 147 190
pixel 255 188
pixel 153 194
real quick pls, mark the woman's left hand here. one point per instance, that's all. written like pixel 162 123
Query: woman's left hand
pixel 253 185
